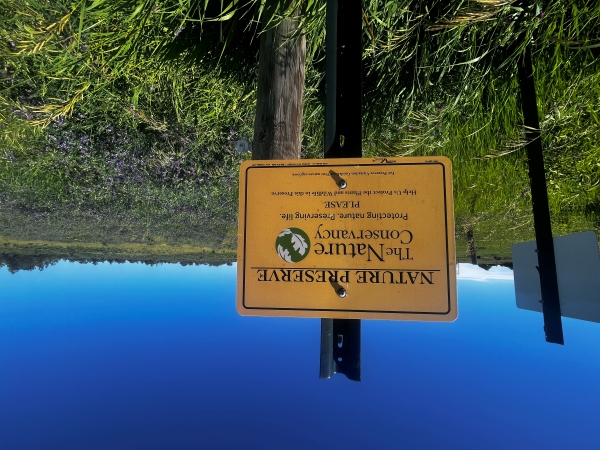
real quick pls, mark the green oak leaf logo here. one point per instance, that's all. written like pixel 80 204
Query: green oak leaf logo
pixel 292 245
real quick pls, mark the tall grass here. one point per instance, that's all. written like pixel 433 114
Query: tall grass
pixel 466 105
pixel 136 105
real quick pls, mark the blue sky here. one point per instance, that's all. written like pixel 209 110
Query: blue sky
pixel 127 356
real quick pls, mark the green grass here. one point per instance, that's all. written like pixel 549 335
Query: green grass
pixel 28 255
pixel 127 112
pixel 59 225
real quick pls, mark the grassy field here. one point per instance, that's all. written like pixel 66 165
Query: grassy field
pixel 118 119
pixel 29 255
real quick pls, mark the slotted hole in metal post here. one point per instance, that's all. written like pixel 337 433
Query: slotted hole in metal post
pixel 340 340
pixel 342 140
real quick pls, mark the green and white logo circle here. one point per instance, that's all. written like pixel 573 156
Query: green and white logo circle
pixel 292 245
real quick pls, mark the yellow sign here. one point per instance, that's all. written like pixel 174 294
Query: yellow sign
pixel 347 238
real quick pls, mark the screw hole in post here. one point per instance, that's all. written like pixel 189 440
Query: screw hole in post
pixel 340 359
pixel 340 340
pixel 342 140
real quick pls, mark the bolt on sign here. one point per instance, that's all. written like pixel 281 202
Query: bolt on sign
pixel 347 238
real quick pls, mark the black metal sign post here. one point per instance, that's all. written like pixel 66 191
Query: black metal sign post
pixel 340 338
pixel 343 102
pixel 541 211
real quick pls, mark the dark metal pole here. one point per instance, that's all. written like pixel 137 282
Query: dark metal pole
pixel 340 338
pixel 340 348
pixel 541 210
pixel 343 103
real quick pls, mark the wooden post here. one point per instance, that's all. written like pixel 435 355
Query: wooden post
pixel 472 247
pixel 281 70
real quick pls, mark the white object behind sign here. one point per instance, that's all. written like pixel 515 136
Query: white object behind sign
pixel 578 271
